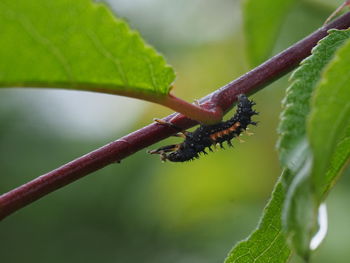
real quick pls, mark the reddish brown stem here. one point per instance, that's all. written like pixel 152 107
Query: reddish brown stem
pixel 208 114
pixel 117 150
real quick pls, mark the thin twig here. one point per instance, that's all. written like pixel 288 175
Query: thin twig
pixel 129 144
pixel 340 8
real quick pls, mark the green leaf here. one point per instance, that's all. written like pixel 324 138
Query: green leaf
pixel 262 29
pixel 293 199
pixel 267 243
pixel 296 104
pixel 340 157
pixel 300 209
pixel 76 45
pixel 307 150
pixel 329 123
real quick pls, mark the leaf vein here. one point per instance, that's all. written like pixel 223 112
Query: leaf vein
pixel 28 26
pixel 104 52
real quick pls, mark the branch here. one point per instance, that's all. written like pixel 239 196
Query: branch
pixel 223 98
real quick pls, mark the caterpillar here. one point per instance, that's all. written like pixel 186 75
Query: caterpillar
pixel 206 136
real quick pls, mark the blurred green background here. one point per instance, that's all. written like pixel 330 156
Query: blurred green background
pixel 143 210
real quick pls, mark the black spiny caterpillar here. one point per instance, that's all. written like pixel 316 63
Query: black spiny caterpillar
pixel 208 135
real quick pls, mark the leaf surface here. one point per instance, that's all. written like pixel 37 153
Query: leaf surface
pixel 296 104
pixel 267 243
pixel 293 204
pixel 313 141
pixel 76 45
pixel 329 123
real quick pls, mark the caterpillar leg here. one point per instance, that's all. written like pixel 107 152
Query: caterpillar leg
pixel 162 151
pixel 181 132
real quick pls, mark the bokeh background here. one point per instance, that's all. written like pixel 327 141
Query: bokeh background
pixel 143 210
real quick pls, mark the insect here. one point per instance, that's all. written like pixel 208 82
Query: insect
pixel 206 136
